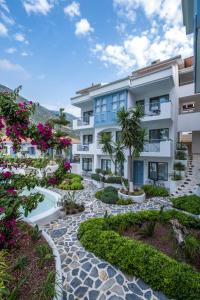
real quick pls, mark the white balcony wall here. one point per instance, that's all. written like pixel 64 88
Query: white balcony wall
pixel 189 122
pixel 83 149
pixel 165 113
pixel 158 149
pixel 81 124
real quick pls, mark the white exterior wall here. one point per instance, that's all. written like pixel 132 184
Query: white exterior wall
pixel 143 88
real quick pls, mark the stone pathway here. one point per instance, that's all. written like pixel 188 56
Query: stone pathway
pixel 188 184
pixel 84 275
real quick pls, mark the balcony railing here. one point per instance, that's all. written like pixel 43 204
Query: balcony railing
pixel 83 147
pixel 160 147
pixel 82 122
pixel 152 147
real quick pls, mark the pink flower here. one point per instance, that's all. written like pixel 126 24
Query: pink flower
pixel 52 181
pixel 11 191
pixel 65 141
pixel 2 210
pixel 6 174
pixel 67 166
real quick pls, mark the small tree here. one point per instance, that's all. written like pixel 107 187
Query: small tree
pixel 133 135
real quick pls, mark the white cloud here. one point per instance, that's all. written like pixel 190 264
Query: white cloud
pixel 7 65
pixel 9 20
pixel 72 9
pixel 38 6
pixel 139 51
pixel 83 27
pixel 121 28
pixel 11 50
pixel 4 5
pixel 3 30
pixel 20 37
pixel 24 53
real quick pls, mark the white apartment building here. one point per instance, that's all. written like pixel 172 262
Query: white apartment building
pixel 172 113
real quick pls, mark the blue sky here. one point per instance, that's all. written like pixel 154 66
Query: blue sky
pixel 55 47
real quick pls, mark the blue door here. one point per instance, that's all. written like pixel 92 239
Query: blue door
pixel 138 172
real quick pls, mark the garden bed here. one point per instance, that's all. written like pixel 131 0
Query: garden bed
pixel 177 280
pixel 109 195
pixel 31 265
pixel 137 196
pixel 190 203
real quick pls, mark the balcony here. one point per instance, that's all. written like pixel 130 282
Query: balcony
pixel 83 123
pixel 83 149
pixel 189 114
pixel 158 149
pixel 157 111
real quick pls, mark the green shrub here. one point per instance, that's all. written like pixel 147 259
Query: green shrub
pixel 175 279
pixel 98 171
pixel 107 195
pixel 113 179
pixel 72 175
pixel 3 274
pixel 179 166
pixel 124 202
pixel 155 191
pixel 76 186
pixel 75 179
pixel 176 177
pixel 96 176
pixel 180 154
pixel 192 248
pixel 189 203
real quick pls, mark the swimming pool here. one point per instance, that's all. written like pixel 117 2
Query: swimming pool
pixel 47 210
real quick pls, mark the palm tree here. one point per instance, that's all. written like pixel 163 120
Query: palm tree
pixel 133 135
pixel 106 142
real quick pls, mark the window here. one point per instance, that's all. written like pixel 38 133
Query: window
pixel 118 136
pixel 101 105
pixel 87 164
pixel 106 164
pixel 154 103
pixel 87 139
pixel 87 115
pixel 31 150
pixel 114 102
pixel 158 170
pixel 188 107
pixel 119 169
pixel 157 135
pixel 122 100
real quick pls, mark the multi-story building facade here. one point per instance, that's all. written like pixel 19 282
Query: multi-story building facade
pixel 165 90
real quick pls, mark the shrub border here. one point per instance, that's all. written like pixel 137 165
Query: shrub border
pixel 175 279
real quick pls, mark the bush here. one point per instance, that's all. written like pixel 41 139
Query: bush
pixel 175 279
pixel 124 202
pixel 76 186
pixel 96 176
pixel 192 248
pixel 180 155
pixel 189 203
pixel 3 274
pixel 108 195
pixel 72 176
pixel 155 191
pixel 113 179
pixel 71 185
pixel 179 166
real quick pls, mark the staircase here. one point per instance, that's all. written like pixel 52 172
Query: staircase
pixel 187 186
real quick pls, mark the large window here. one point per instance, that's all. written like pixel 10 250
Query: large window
pixel 106 164
pixel 101 105
pixel 118 101
pixel 87 139
pixel 154 103
pixel 157 135
pixel 158 170
pixel 87 164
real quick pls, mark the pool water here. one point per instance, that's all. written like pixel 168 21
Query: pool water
pixel 48 203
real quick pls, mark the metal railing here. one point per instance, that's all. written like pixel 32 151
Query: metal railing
pixel 83 147
pixel 84 121
pixel 154 146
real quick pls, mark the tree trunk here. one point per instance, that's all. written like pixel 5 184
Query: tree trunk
pixel 130 172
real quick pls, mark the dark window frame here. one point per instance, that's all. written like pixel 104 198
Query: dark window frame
pixel 158 177
pixel 87 161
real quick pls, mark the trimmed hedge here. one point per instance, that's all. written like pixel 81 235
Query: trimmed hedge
pixel 175 279
pixel 155 191
pixel 96 176
pixel 107 195
pixel 189 203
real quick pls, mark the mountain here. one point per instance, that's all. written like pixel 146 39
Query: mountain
pixel 42 114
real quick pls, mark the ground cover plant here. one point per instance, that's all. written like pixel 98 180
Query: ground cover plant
pixel 109 195
pixel 69 204
pixel 190 203
pixel 155 191
pixel 71 182
pixel 173 276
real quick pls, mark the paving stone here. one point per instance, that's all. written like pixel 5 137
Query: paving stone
pixel 75 282
pixel 81 291
pixel 117 289
pixel 58 233
pixel 83 275
pixel 98 282
pixel 75 272
pixel 142 285
pixel 88 281
pixel 93 295
pixel 108 284
pixel 111 272
pixel 94 273
pixel 134 288
pixel 87 266
pixel 148 295
pixel 120 279
pixel 133 297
